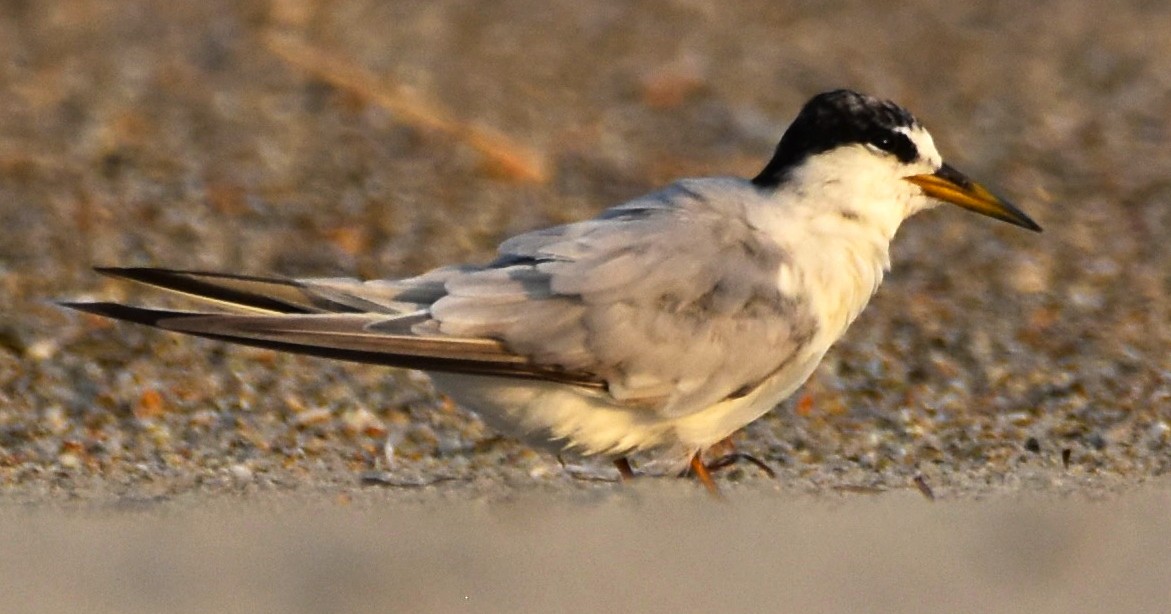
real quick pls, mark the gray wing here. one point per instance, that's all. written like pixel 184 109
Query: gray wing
pixel 670 299
pixel 345 319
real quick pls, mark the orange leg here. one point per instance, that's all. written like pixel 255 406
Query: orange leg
pixel 699 470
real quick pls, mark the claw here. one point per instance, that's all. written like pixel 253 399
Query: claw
pixel 735 457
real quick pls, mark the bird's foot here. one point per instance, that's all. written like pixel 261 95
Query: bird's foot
pixel 700 470
pixel 732 458
pixel 703 471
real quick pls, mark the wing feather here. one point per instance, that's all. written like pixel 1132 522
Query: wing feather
pixel 352 337
pixel 668 302
pixel 671 298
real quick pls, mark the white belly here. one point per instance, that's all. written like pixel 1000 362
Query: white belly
pixel 559 417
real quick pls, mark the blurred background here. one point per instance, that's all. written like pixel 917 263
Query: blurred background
pixel 379 139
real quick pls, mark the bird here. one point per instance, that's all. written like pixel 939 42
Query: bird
pixel 664 324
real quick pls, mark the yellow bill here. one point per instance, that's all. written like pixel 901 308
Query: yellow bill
pixel 949 185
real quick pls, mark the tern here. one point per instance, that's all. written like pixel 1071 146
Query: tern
pixel 664 324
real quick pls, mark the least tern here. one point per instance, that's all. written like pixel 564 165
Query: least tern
pixel 665 323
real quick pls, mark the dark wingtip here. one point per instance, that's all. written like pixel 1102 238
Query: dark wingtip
pixel 211 285
pixel 118 311
pixel 86 306
pixel 147 275
pixel 135 273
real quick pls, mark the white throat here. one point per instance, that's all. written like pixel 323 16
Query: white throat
pixel 836 216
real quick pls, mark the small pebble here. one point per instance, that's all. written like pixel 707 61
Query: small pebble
pixel 362 422
pixel 241 473
pixel 42 349
pixel 69 460
pixel 313 417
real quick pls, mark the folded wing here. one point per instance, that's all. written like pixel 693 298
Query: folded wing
pixel 669 302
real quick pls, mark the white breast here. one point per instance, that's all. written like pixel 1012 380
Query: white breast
pixel 835 264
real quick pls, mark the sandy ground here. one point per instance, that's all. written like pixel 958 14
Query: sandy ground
pixel 654 548
pixel 1023 377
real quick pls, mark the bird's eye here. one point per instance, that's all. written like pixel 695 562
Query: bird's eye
pixel 897 144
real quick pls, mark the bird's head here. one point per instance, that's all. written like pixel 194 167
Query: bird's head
pixel 875 156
